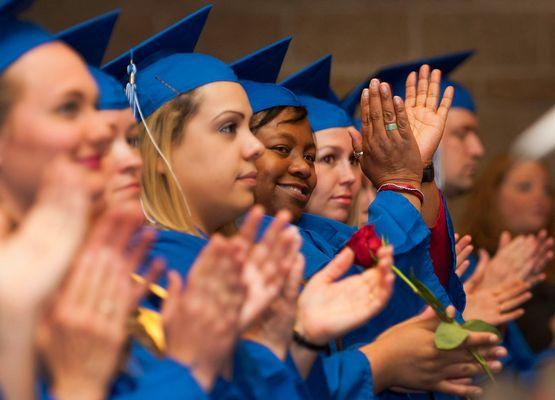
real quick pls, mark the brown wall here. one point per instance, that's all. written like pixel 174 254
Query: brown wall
pixel 512 76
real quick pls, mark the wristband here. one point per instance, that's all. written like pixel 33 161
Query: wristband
pixel 301 341
pixel 409 189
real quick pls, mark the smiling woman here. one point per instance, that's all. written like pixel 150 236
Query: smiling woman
pixel 286 175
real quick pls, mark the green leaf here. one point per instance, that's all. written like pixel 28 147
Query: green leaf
pixel 476 325
pixel 450 335
pixel 430 298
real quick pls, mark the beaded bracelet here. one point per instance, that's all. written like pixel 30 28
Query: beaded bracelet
pixel 409 189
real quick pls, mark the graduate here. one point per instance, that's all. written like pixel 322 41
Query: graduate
pixel 165 190
pixel 461 147
pixel 264 66
pixel 169 76
pixel 51 127
pixel 286 179
pixel 123 165
pixel 313 85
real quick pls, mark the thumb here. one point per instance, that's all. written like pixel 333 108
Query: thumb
pixel 427 315
pixel 336 267
pixel 427 319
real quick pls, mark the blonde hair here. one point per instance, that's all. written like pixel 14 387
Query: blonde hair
pixel 163 201
pixel 353 218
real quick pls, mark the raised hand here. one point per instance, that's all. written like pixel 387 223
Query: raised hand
pixel 273 329
pixel 264 272
pixel 32 262
pixel 542 256
pixel 463 249
pixel 405 357
pixel 497 306
pixel 521 258
pixel 202 320
pixel 329 306
pixel 426 119
pixel 83 333
pixel 390 156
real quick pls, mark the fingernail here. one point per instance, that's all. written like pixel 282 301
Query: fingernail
pixel 374 83
pixel 366 93
pixel 496 365
pixel 501 352
pixel 383 88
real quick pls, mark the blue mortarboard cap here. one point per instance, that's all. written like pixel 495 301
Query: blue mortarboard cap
pixel 91 38
pixel 258 72
pixel 312 86
pixel 176 74
pixel 396 76
pixel 111 93
pixel 263 65
pixel 165 67
pixel 181 37
pixel 14 7
pixel 18 37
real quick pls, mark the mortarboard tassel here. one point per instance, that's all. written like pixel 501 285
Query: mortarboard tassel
pixel 131 93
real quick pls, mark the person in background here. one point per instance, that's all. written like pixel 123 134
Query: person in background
pixel 518 197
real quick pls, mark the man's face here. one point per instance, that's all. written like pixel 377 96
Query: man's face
pixel 461 150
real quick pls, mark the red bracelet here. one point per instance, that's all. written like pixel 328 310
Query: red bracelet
pixel 409 189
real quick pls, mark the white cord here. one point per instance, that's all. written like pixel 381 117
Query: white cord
pixel 134 100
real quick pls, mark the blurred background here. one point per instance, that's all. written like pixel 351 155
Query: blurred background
pixel 512 76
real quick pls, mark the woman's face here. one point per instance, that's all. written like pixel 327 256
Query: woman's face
pixel 53 112
pixel 123 161
pixel 286 176
pixel 214 162
pixel 524 198
pixel 339 175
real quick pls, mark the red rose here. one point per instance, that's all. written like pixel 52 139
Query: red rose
pixel 365 243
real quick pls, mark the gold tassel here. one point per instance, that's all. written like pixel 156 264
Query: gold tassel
pixel 157 290
pixel 146 327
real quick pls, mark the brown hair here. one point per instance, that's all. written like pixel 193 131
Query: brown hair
pixel 161 195
pixel 482 219
pixel 7 93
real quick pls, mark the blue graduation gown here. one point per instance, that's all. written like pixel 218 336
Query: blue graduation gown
pixel 164 379
pixel 272 376
pixel 402 225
